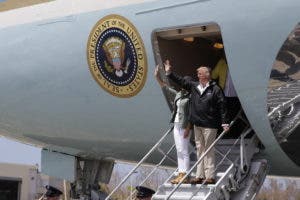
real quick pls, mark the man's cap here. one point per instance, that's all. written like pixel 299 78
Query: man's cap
pixel 144 192
pixel 52 191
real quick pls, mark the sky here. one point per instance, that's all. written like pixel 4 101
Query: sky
pixel 15 152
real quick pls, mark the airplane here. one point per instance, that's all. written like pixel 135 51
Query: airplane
pixel 77 76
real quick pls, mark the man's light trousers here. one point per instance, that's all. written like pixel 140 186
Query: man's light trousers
pixel 204 137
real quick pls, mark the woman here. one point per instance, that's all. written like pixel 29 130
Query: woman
pixel 181 126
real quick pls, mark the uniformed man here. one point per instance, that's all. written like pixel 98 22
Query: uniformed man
pixel 52 193
pixel 144 193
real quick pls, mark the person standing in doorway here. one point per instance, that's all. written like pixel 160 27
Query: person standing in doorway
pixel 221 73
pixel 181 126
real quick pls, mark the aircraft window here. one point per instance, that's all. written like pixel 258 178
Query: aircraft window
pixel 284 95
pixel 188 48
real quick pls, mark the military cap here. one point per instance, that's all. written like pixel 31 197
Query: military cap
pixel 52 191
pixel 144 192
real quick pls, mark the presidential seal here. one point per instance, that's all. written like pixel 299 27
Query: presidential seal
pixel 116 56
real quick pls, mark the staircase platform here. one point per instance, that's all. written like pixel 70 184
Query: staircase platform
pixel 247 191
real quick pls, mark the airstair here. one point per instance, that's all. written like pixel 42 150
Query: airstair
pixel 239 175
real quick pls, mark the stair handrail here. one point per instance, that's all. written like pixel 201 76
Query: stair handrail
pixel 155 168
pixel 202 157
pixel 140 163
pixel 244 134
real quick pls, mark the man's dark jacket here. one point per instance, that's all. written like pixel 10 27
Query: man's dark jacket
pixel 207 110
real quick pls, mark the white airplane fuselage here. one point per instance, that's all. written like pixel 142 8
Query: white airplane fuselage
pixel 50 99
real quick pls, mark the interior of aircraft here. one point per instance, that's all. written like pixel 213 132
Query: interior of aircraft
pixel 188 48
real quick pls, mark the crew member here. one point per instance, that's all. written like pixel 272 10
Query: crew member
pixel 144 193
pixel 221 73
pixel 52 193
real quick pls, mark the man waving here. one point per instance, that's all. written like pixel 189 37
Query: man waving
pixel 207 114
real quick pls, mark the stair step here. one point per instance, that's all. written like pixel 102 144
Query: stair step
pixel 219 174
pixel 201 192
pixel 225 149
pixel 224 163
pixel 226 142
pixel 185 191
pixel 188 186
pixel 189 189
pixel 177 197
pixel 223 167
pixel 231 157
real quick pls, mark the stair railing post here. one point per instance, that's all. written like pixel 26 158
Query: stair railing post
pixel 155 168
pixel 138 165
pixel 242 154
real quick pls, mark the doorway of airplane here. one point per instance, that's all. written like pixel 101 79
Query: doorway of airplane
pixel 190 47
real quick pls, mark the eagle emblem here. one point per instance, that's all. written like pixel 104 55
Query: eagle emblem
pixel 114 49
pixel 116 56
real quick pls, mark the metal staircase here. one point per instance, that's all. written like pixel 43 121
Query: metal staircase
pixel 233 173
pixel 239 176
